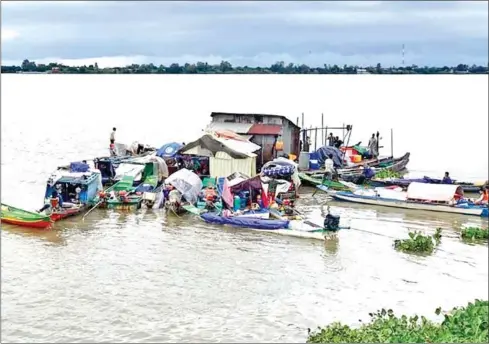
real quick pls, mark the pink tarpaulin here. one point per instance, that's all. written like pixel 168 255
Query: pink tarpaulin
pixel 227 196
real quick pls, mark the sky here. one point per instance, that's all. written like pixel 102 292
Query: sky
pixel 245 33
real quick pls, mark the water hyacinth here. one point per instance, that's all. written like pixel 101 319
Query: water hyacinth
pixel 418 243
pixel 461 325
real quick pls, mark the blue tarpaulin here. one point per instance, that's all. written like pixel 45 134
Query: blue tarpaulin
pixel 323 153
pixel 245 222
pixel 169 150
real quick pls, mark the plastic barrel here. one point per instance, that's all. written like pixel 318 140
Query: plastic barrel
pixel 304 161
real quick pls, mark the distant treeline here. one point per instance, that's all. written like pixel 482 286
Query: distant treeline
pixel 227 68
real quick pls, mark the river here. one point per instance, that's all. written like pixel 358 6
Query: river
pixel 145 277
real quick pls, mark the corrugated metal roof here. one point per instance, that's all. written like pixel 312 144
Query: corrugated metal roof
pixel 254 114
pixel 239 128
pixel 265 129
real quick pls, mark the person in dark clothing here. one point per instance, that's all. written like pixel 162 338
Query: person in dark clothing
pixel 338 142
pixel 446 179
pixel 331 140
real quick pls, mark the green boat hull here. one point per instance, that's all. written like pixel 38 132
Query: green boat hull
pixel 331 184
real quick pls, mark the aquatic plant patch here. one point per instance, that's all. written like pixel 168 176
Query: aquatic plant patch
pixel 418 243
pixel 474 233
pixel 387 173
pixel 461 325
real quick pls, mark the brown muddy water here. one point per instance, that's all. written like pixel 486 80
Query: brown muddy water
pixel 146 277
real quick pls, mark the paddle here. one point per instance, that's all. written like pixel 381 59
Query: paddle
pixel 95 206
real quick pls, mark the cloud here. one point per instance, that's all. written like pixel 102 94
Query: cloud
pixel 8 34
pixel 248 32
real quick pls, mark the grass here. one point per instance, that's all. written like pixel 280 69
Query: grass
pixel 474 233
pixel 462 325
pixel 418 243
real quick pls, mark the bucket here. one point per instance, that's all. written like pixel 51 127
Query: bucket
pixel 303 161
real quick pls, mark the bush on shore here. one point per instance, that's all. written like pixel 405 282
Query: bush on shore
pixel 462 325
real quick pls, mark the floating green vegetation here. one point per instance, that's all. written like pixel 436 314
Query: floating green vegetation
pixel 474 233
pixel 418 243
pixel 387 173
pixel 462 325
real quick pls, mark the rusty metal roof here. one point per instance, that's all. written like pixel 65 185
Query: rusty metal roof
pixel 265 129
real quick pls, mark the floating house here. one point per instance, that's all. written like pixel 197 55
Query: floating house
pixel 226 154
pixel 275 134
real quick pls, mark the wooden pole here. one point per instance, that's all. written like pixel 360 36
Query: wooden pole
pixel 392 142
pixel 322 129
pixel 316 139
pixel 303 133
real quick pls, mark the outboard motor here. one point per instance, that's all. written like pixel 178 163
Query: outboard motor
pixel 331 222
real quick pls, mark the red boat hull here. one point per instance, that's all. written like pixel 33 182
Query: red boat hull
pixel 65 213
pixel 42 224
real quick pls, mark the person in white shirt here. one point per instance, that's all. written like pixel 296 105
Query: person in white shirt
pixel 328 168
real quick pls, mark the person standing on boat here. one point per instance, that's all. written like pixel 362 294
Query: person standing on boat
pixel 328 168
pixel 446 179
pixel 337 142
pixel 331 140
pixel 372 147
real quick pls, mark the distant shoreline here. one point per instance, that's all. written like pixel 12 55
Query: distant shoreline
pixel 226 68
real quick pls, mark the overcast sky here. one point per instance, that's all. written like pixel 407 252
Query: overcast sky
pixel 245 33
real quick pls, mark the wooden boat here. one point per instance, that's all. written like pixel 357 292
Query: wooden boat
pixel 316 180
pixel 75 185
pixel 404 183
pixel 119 196
pixel 189 186
pixel 136 179
pixel 24 218
pixel 295 228
pixel 353 175
pixel 419 196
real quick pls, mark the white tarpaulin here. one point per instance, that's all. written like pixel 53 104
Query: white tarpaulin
pixel 187 182
pixel 432 192
pixel 133 170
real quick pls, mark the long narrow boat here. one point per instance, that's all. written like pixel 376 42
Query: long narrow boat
pixel 24 218
pixel 296 228
pixel 419 196
pixel 314 181
pixel 398 166
pixel 404 182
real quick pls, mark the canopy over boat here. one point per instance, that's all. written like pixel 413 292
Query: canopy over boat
pixel 433 192
pixel 128 169
pixel 187 182
pixel 159 165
